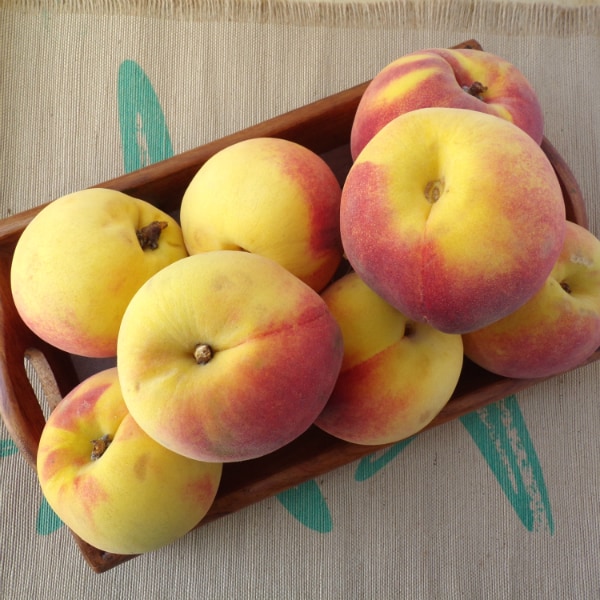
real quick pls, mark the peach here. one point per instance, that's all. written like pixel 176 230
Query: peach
pixel 555 331
pixel 397 374
pixel 110 483
pixel 81 259
pixel 271 197
pixel 457 78
pixel 454 217
pixel 227 356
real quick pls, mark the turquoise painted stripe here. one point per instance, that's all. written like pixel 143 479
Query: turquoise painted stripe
pixel 371 464
pixel 500 432
pixel 47 520
pixel 144 135
pixel 306 503
pixel 7 448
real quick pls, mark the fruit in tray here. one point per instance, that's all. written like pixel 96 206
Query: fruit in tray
pixel 81 259
pixel 454 217
pixel 557 329
pixel 271 197
pixel 226 356
pixel 111 483
pixel 452 220
pixel 397 373
pixel 458 78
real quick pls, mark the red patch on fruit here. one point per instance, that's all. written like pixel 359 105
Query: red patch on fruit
pixel 354 412
pixel 200 490
pixel 90 493
pixel 322 193
pixel 58 459
pixel 76 406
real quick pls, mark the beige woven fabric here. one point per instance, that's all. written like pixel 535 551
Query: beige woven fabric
pixel 552 17
pixel 438 518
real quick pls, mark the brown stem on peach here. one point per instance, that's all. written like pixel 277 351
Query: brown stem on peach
pixel 565 286
pixel 409 329
pixel 434 189
pixel 203 353
pixel 99 446
pixel 476 89
pixel 149 234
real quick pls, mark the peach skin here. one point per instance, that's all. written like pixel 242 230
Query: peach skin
pixel 397 374
pixel 555 331
pixel 454 217
pixel 110 483
pixel 81 259
pixel 456 78
pixel 271 197
pixel 225 356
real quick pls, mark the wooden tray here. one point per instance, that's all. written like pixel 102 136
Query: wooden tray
pixel 324 127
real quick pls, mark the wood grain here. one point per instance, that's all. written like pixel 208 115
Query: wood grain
pixel 324 127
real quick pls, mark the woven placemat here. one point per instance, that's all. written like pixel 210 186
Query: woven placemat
pixel 499 505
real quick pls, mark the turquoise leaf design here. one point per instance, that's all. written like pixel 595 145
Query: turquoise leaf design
pixel 7 448
pixel 144 135
pixel 47 520
pixel 500 432
pixel 307 504
pixel 371 464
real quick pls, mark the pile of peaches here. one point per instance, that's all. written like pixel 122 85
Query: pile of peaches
pixel 234 329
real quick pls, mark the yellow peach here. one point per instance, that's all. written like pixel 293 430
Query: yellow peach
pixel 397 374
pixel 226 356
pixel 556 330
pixel 271 197
pixel 109 482
pixel 457 78
pixel 455 217
pixel 81 259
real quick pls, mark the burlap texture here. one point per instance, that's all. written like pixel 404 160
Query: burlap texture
pixel 500 505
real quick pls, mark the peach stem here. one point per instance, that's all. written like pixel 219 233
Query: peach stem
pixel 99 446
pixel 476 89
pixel 148 235
pixel 203 353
